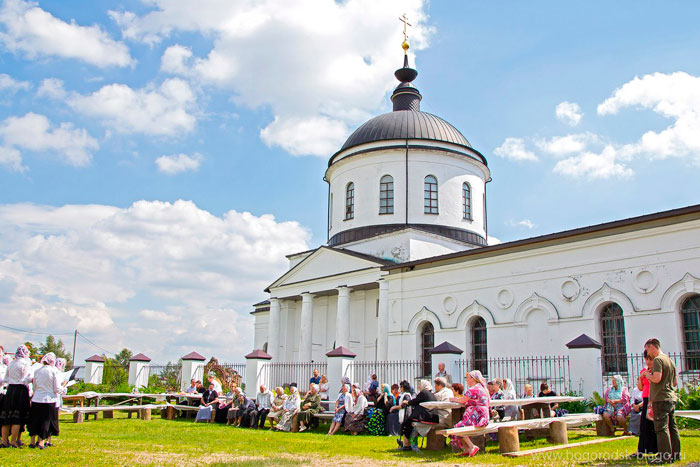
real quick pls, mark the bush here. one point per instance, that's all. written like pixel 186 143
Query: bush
pixel 583 406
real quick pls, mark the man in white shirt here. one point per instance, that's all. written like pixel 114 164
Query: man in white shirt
pixel 442 394
pixel 264 402
pixel 193 387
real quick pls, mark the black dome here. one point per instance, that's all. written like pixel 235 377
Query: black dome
pixel 402 124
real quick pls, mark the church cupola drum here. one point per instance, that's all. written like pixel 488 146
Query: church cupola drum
pixel 407 184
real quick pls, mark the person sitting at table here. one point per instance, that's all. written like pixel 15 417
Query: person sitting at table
pixel 617 405
pixel 323 388
pixel 315 379
pixel 247 414
pixel 192 387
pixel 277 406
pixel 511 411
pixel 442 373
pixel 529 393
pixel 546 392
pixel 340 409
pixel 290 408
pixel 442 394
pixel 393 424
pixel 377 421
pixel 356 416
pixel 232 414
pixel 476 401
pixel 310 407
pixel 495 392
pixel 210 399
pixel 371 388
pixel 418 414
pixel 263 400
pixel 221 415
pixel 458 389
pixel 194 402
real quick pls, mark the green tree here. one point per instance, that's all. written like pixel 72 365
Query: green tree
pixel 34 353
pixel 57 347
pixel 123 357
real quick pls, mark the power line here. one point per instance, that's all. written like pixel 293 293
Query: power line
pixel 37 332
pixel 97 346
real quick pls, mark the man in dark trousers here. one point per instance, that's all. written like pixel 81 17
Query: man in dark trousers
pixel 663 397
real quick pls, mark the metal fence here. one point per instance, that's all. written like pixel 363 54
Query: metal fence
pixel 285 373
pixel 554 370
pixel 168 375
pixel 387 372
pixel 633 364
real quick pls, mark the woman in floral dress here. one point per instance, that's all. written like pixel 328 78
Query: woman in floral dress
pixel 476 401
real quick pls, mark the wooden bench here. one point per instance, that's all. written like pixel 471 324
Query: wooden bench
pixel 170 411
pixel 143 411
pixel 508 439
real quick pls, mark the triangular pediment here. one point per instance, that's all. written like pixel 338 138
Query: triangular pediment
pixel 325 262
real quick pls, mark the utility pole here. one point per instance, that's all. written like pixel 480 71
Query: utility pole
pixel 75 340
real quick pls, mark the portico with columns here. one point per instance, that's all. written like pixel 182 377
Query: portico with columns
pixel 308 316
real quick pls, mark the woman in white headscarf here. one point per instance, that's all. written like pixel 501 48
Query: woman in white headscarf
pixel 512 411
pixel 14 412
pixel 291 406
pixel 356 416
pixel 47 389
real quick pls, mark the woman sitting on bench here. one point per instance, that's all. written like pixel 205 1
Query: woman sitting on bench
pixel 476 401
pixel 418 414
pixel 617 405
pixel 210 399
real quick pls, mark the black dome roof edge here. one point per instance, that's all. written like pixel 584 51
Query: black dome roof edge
pixel 481 157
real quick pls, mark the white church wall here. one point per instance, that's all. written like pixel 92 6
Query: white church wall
pixel 541 299
pixel 261 329
pixel 318 328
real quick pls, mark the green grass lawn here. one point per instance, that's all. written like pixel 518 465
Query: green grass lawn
pixel 123 441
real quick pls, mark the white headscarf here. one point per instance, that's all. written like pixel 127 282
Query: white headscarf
pixel 509 389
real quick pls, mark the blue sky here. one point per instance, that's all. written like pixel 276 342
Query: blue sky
pixel 110 113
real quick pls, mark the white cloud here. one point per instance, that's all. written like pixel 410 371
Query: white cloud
pixel 607 164
pixel 569 113
pixel 526 223
pixel 8 83
pixel 11 158
pixel 34 132
pixel 36 32
pixel 569 144
pixel 178 163
pixel 159 278
pixel 514 149
pixel 675 96
pixel 311 63
pixel 164 110
pixel 51 88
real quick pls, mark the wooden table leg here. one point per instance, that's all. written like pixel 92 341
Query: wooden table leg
pixel 145 414
pixel 508 440
pixel 108 414
pixel 558 433
pixel 78 417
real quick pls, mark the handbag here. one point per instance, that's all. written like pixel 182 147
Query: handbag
pixel 650 413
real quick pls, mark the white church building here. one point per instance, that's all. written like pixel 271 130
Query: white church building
pixel 408 266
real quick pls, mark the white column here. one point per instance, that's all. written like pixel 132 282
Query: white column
pixel 383 322
pixel 306 325
pixel 273 329
pixel 342 318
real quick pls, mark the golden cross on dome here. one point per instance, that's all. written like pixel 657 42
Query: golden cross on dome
pixel 404 19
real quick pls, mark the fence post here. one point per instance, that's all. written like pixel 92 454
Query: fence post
pixel 94 369
pixel 447 354
pixel 254 366
pixel 138 370
pixel 339 359
pixel 584 354
pixel 192 365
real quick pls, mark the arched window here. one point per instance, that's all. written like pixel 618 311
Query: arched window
pixel 386 195
pixel 690 318
pixel 427 344
pixel 466 201
pixel 430 195
pixel 350 201
pixel 479 351
pixel 612 329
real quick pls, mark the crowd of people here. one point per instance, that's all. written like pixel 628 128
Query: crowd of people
pixel 30 398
